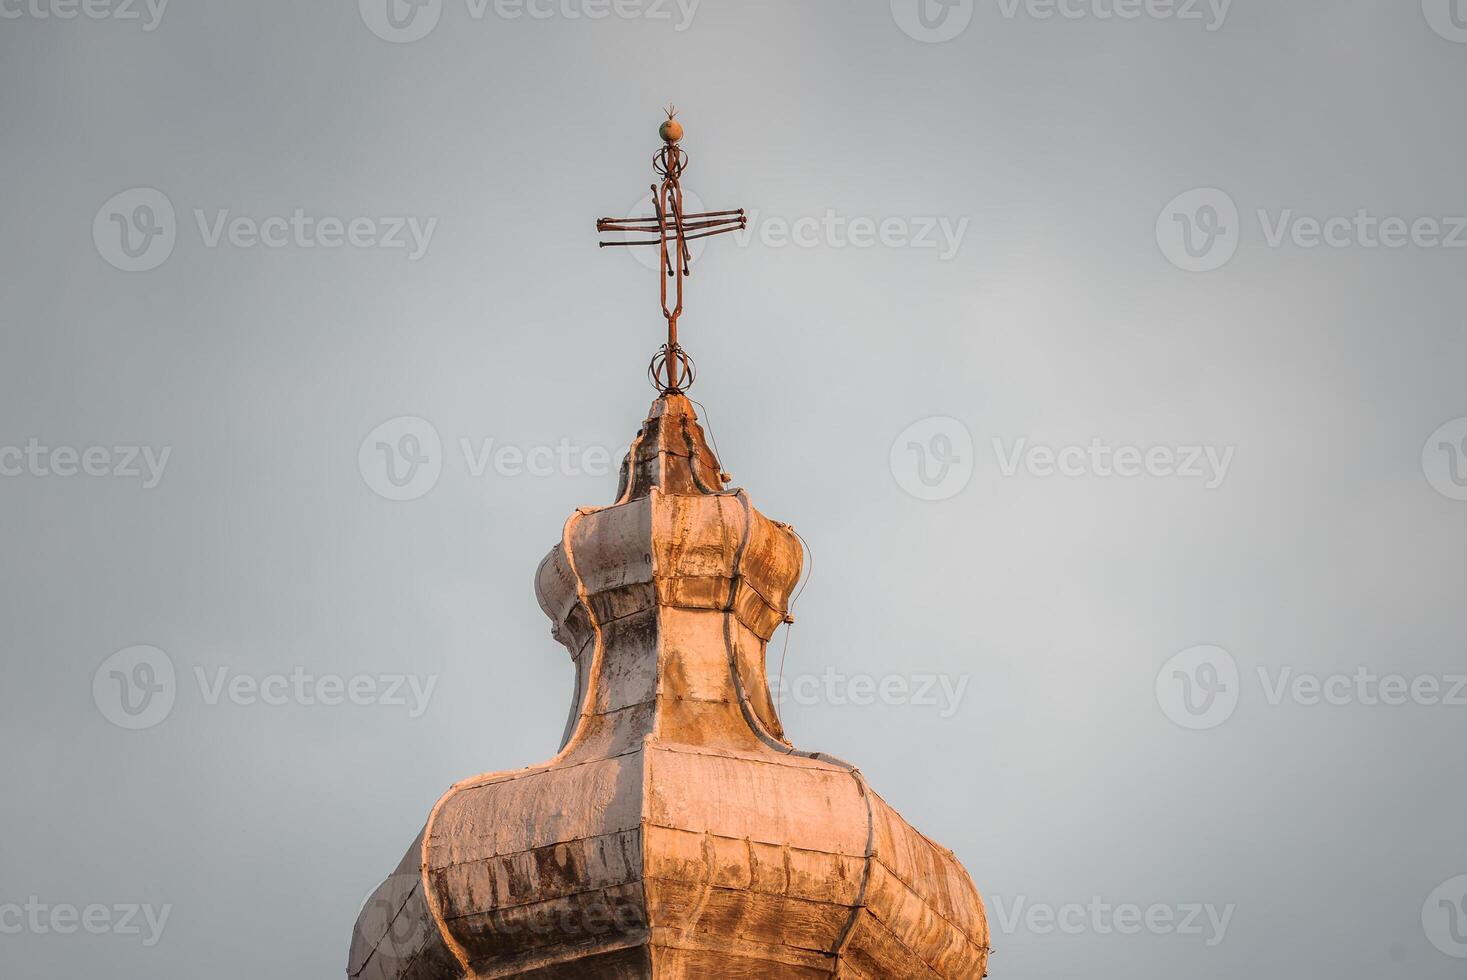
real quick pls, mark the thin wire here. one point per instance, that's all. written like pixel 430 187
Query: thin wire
pixel 809 569
pixel 708 426
pixel 789 626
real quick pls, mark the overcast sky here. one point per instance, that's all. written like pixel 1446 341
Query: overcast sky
pixel 1108 354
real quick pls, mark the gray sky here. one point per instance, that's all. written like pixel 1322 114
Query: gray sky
pixel 988 277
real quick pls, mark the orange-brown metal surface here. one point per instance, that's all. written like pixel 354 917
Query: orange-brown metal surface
pixel 677 834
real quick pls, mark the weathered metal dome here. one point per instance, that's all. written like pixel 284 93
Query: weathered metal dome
pixel 677 834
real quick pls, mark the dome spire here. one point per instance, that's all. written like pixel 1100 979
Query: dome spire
pixel 672 370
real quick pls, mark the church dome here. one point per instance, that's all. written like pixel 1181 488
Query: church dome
pixel 676 834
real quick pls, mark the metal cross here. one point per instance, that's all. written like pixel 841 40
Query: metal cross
pixel 672 370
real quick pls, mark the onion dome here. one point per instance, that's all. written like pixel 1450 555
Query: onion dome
pixel 677 834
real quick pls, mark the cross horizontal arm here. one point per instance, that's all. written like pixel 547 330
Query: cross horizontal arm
pixel 653 222
pixel 671 231
pixel 672 235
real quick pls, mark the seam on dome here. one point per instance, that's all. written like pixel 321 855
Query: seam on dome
pixel 845 937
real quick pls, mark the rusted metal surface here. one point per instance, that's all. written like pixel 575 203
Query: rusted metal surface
pixel 672 369
pixel 677 834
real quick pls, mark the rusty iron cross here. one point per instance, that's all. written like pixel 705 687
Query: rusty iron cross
pixel 672 370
